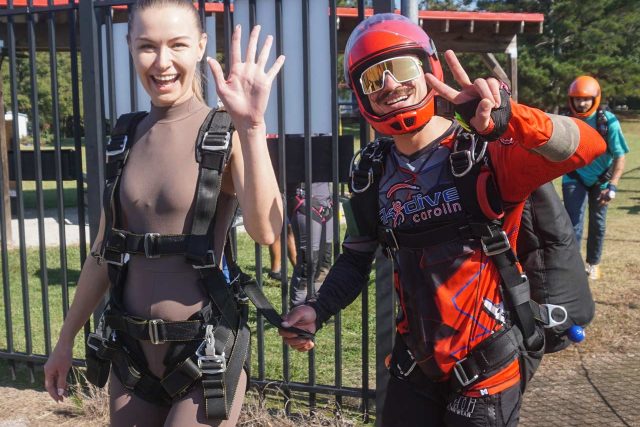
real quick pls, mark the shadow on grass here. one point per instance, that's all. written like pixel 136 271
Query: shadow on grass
pixel 55 276
pixel 20 376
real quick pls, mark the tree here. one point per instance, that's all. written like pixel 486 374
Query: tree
pixel 45 97
pixel 594 38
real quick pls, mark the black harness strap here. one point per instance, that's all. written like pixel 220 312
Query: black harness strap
pixel 117 151
pixel 212 153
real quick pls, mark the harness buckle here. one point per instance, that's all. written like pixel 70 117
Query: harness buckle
pixel 366 186
pixel 154 334
pixel 215 137
pixel 95 341
pixel 151 245
pixel 392 243
pixel 119 150
pixel 210 257
pixel 461 375
pixel 208 361
pixel 496 244
pixel 550 321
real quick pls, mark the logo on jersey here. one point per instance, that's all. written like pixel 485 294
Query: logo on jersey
pixel 420 207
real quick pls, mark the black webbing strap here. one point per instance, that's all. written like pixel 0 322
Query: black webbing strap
pixel 151 245
pixel 248 287
pixel 518 296
pixel 212 152
pixel 487 358
pixel 117 150
pixel 157 331
pixel 221 389
pixel 257 297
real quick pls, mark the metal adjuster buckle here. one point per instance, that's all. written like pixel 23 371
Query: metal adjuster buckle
pixel 461 375
pixel 389 232
pixel 154 334
pixel 496 244
pixel 227 139
pixel 119 150
pixel 150 245
pixel 95 341
pixel 124 257
pixel 210 256
pixel 456 158
pixel 208 361
pixel 551 322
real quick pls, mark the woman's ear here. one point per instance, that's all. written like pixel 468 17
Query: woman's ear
pixel 202 45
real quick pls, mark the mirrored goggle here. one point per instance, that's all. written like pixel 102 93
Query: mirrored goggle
pixel 402 69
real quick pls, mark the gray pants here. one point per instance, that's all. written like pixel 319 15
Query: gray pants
pixel 321 246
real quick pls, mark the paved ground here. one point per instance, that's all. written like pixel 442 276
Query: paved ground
pixel 581 389
pixel 51 226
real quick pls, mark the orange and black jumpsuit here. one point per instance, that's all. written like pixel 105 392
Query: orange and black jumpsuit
pixel 450 294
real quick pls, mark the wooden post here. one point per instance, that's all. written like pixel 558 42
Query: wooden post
pixel 498 72
pixel 4 159
pixel 512 51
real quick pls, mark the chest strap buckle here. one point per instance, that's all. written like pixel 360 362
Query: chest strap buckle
pixel 154 333
pixel 151 245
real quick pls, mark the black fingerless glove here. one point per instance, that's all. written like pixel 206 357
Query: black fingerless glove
pixel 499 116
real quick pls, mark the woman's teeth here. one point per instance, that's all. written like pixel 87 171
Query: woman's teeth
pixel 166 79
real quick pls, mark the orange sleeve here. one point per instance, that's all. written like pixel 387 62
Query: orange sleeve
pixel 519 156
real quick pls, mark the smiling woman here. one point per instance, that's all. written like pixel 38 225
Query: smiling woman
pixel 174 335
pixel 166 49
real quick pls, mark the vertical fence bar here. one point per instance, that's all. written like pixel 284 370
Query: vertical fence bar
pixel 385 295
pixel 75 95
pixel 93 110
pixel 227 29
pixel 282 158
pixel 202 13
pixel 133 93
pixel 5 218
pixel 308 177
pixel 335 117
pixel 17 164
pixel 257 247
pixel 364 139
pixel 53 65
pixel 35 112
pixel 111 72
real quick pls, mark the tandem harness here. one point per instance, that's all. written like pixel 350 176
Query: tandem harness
pixel 471 169
pixel 212 346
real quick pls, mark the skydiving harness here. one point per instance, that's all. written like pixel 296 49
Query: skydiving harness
pixel 602 126
pixel 213 344
pixel 473 178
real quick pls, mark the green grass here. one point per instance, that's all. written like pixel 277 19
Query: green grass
pixel 623 211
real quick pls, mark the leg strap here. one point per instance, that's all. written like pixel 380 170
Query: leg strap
pixel 487 358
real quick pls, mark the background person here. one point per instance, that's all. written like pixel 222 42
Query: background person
pixel 156 195
pixel 595 184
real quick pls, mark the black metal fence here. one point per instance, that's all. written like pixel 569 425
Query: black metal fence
pixel 86 30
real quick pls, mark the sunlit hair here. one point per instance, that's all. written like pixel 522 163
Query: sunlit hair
pixel 141 5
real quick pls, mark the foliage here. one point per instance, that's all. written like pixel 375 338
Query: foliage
pixel 595 38
pixel 44 93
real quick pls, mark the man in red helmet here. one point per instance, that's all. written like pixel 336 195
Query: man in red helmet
pixel 597 182
pixel 460 350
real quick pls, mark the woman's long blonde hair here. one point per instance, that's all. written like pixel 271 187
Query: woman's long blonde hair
pixel 141 5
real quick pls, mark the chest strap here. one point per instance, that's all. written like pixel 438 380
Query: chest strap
pixel 151 245
pixel 157 331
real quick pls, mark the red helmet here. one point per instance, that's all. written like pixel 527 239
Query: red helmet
pixel 584 87
pixel 384 36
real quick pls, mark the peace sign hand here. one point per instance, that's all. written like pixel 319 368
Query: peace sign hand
pixel 483 104
pixel 245 92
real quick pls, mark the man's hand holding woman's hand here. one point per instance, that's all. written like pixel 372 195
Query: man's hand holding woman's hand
pixel 302 317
